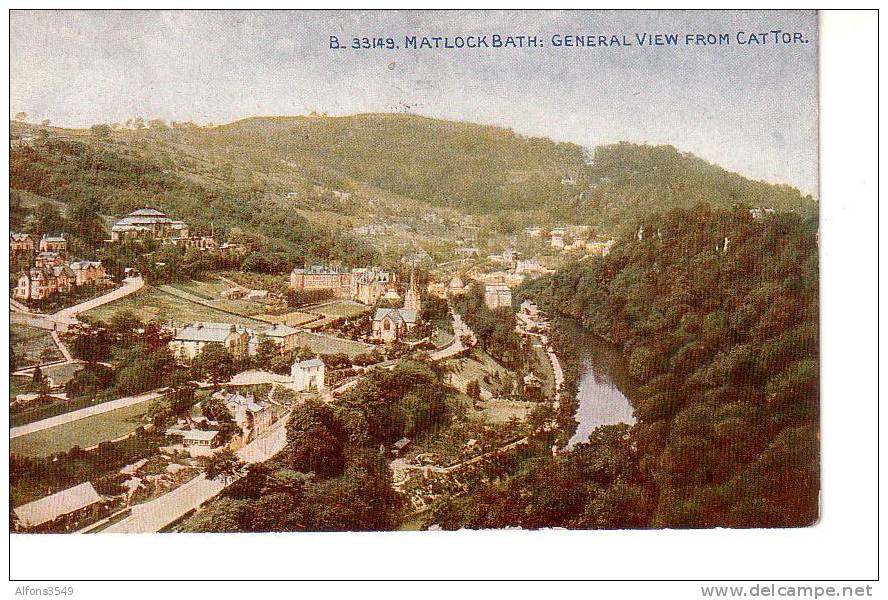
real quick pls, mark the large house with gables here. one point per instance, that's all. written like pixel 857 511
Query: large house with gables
pixel 55 276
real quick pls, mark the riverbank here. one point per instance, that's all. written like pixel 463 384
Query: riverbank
pixel 597 389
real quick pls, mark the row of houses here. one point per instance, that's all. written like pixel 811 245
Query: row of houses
pixel 50 272
pixel 239 340
pixel 253 417
pixel 26 244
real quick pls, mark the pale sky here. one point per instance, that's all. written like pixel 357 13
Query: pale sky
pixel 749 108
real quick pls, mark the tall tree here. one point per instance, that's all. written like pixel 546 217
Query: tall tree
pixel 214 363
pixel 48 219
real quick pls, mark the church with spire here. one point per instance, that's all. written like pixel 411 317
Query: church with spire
pixel 411 298
pixel 391 324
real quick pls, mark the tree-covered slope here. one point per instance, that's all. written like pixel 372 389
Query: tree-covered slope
pixel 717 314
pixel 119 174
pixel 473 168
pixel 628 181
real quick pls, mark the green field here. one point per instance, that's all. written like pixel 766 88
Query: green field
pixel 258 281
pixel 475 366
pixel 32 346
pixel 61 374
pixel 19 385
pixel 152 304
pixel 84 433
pixel 209 291
pixel 323 344
pixel 343 308
pixel 501 411
pixel 334 311
pixel 293 319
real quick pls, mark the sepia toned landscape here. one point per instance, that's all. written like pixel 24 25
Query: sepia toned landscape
pixel 383 321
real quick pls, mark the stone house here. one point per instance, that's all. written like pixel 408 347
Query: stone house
pixel 390 324
pixel 48 259
pixel 254 418
pixel 53 243
pixel 284 336
pixel 497 295
pixel 87 272
pixel 318 277
pixel 370 284
pixel 21 244
pixel 37 283
pixel 192 339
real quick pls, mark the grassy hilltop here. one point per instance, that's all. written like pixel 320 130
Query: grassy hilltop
pixel 239 174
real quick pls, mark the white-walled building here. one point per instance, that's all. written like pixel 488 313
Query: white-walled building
pixel 497 295
pixel 308 375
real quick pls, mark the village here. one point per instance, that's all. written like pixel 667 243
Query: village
pixel 253 347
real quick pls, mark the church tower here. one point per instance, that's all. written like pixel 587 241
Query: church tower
pixel 411 299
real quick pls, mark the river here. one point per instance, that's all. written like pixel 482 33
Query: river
pixel 604 388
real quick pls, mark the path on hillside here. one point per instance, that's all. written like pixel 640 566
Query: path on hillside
pixel 152 516
pixel 17 306
pixel 399 465
pixel 62 347
pixel 460 329
pixel 525 323
pixel 68 316
pixel 61 320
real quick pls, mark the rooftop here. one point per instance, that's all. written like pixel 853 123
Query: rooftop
pixel 279 330
pixel 193 434
pixel 396 314
pixel 58 504
pixel 208 332
pixel 321 270
pixel 311 362
pixel 147 211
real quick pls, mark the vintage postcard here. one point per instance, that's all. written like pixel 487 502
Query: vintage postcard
pixel 313 271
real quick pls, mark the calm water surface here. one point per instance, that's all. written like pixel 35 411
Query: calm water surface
pixel 604 388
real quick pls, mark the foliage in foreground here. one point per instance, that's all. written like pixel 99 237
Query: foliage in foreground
pixel 717 314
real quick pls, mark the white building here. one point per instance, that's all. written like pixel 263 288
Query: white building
pixel 308 375
pixel 198 442
pixel 497 295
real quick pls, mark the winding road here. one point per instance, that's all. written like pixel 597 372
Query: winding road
pixel 460 329
pixel 61 320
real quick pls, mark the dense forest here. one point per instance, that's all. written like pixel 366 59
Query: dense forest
pixel 717 314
